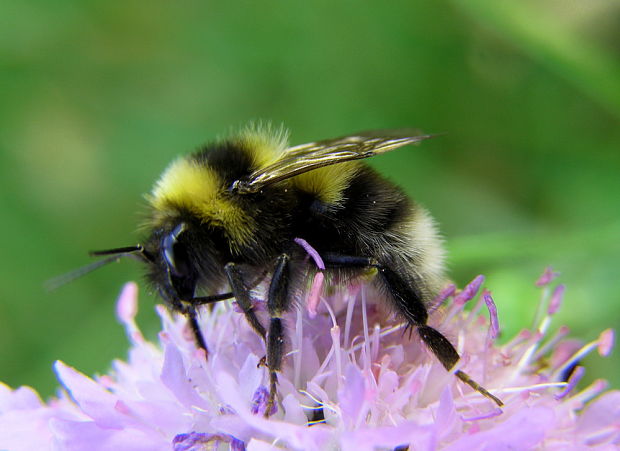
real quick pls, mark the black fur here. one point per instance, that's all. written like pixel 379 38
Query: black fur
pixel 368 228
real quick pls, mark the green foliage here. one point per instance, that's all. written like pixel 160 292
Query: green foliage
pixel 98 96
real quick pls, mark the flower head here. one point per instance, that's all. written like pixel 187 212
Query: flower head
pixel 351 380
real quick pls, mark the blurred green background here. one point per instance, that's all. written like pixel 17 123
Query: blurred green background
pixel 97 97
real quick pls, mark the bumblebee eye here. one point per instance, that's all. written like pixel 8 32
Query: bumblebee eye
pixel 174 253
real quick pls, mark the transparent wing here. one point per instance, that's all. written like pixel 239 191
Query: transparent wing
pixel 306 157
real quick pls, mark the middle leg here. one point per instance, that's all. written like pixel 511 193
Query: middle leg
pixel 242 295
pixel 278 302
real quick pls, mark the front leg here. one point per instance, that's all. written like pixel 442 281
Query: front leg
pixel 242 295
pixel 188 308
pixel 193 322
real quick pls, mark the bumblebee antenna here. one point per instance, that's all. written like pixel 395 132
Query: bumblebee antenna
pixel 112 255
pixel 120 250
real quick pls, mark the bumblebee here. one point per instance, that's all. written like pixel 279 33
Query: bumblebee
pixel 226 218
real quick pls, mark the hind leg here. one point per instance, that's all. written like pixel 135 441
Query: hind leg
pixel 411 306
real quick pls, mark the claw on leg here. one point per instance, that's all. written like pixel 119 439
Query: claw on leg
pixel 262 362
pixel 273 391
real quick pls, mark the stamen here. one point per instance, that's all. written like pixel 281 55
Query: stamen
pixel 299 344
pixel 602 434
pixel 311 252
pixel 374 344
pixel 470 291
pixel 543 281
pixel 572 382
pixel 552 342
pixel 585 350
pixel 317 283
pixel 306 406
pixel 331 312
pixel 544 326
pixel 493 413
pixel 589 392
pixel 313 423
pixel 492 332
pixel 606 342
pixel 335 341
pixel 547 276
pixel 472 315
pixel 522 336
pixel 326 361
pixel 526 358
pixel 335 334
pixel 366 347
pixel 351 299
pixel 459 301
pixel 532 387
pixel 556 299
pixel 385 332
pixel 494 329
pixel 315 291
pixel 318 403
pixel 444 294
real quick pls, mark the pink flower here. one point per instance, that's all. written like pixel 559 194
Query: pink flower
pixel 347 383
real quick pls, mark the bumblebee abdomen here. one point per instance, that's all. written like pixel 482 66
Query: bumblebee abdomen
pixel 375 218
pixel 364 210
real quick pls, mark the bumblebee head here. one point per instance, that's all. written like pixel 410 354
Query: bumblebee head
pixel 180 273
pixel 181 256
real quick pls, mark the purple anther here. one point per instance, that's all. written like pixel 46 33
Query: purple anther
pixel 556 299
pixel 311 252
pixel 493 413
pixel 486 294
pixel 547 276
pixel 315 292
pixel 444 294
pixel 571 383
pixel 606 342
pixel 469 291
